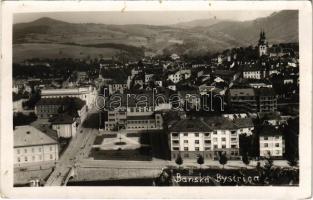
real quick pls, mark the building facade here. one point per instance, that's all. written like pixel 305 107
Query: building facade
pixel 65 126
pixel 243 100
pixel 207 137
pixel 272 142
pixel 87 94
pixel 32 146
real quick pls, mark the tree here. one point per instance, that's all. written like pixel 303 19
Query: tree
pixel 200 160
pixel 223 159
pixel 268 162
pixel 292 160
pixel 179 161
pixel 245 159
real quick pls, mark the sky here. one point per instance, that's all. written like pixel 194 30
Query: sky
pixel 151 17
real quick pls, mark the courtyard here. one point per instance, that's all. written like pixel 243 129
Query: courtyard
pixel 130 146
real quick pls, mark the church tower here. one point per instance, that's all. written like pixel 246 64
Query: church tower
pixel 263 46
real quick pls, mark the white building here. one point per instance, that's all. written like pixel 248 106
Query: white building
pixel 65 126
pixel 272 142
pixel 117 88
pixel 206 136
pixel 87 94
pixel 31 146
pixel 135 112
pixel 179 75
pixel 253 73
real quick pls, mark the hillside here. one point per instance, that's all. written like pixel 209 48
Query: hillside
pixel 198 37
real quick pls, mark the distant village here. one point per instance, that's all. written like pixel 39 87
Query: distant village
pixel 251 98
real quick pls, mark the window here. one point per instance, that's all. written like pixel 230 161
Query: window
pixel 186 141
pixel 207 148
pixel 196 134
pixel 25 158
pixel 185 134
pixel 18 159
pixel 223 146
pixel 51 156
pixel 196 141
pixel 265 145
pixel 214 132
pixel 197 148
pixel 233 146
pixel 215 147
pixel 265 138
pixel 186 155
pixel 18 151
pixel 176 148
pixel 207 141
pixel 185 148
pixel 175 141
pixel 223 139
pixel 276 137
pixel 51 148
pixel 276 144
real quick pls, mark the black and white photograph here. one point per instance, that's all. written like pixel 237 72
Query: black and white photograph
pixel 156 98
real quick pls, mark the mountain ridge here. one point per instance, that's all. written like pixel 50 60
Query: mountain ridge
pixel 197 37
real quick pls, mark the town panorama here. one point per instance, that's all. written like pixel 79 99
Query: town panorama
pixel 210 102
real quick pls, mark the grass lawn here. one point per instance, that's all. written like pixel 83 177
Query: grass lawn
pixel 142 154
pixel 100 138
pixel 159 145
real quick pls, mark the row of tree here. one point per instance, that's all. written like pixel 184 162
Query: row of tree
pixel 222 159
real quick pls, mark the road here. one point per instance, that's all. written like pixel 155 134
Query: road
pixel 77 150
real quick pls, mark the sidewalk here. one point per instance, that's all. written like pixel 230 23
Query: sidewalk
pixel 231 164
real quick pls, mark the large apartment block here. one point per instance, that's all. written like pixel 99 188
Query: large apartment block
pixel 207 137
pixel 252 100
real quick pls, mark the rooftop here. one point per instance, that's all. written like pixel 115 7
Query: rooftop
pixel 30 136
pixel 265 92
pixel 241 92
pixel 190 125
pixel 63 119
pixel 243 122
pixel 269 131
pixel 140 117
pixel 78 103
pixel 65 91
pixel 219 123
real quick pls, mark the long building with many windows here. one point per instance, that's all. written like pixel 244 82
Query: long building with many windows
pixel 207 137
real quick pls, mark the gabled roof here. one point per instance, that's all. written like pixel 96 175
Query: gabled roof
pixel 219 123
pixel 190 125
pixel 30 136
pixel 243 122
pixel 268 130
